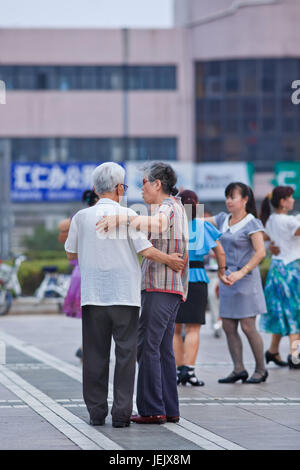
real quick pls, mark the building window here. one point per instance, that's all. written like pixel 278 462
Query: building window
pixel 64 78
pixel 109 78
pixel 244 111
pixel 49 150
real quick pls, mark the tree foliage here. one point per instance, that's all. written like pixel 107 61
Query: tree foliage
pixel 43 239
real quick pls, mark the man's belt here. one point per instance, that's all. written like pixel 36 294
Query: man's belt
pixel 196 264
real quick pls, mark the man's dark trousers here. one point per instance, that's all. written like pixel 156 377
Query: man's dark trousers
pixel 157 382
pixel 99 325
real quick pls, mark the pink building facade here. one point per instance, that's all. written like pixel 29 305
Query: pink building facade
pixel 215 88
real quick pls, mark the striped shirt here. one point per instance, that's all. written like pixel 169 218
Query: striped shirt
pixel 158 277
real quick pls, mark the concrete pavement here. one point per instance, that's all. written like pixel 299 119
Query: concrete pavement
pixel 41 405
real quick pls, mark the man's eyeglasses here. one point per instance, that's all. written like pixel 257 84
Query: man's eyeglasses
pixel 125 186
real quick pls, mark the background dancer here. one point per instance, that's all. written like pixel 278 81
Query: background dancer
pixel 192 312
pixel 282 288
pixel 242 240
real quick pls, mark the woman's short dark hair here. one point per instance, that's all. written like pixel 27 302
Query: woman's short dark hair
pixel 245 191
pixel 189 198
pixel 278 193
pixel 90 197
pixel 164 173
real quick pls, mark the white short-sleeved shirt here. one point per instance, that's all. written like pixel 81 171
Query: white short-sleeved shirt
pixel 109 265
pixel 281 229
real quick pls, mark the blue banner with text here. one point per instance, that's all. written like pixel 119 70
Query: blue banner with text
pixel 40 182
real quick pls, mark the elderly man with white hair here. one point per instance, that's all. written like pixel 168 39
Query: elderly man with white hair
pixel 110 295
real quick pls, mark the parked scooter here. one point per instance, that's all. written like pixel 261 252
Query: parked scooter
pixel 9 283
pixel 54 285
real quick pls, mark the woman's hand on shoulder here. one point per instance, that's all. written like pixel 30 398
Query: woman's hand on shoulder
pixel 110 222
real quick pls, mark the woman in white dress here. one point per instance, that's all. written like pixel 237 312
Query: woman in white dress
pixel 282 289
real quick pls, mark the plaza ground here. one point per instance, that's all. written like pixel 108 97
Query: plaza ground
pixel 41 403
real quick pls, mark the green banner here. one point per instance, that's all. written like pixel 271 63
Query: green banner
pixel 288 174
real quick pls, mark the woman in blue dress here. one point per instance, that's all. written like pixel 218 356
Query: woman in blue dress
pixel 240 303
pixel 203 237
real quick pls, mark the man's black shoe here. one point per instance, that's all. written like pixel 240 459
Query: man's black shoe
pixel 120 424
pixel 97 422
pixel 79 353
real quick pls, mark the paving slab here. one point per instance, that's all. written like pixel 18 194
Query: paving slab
pixel 264 416
pixel 23 429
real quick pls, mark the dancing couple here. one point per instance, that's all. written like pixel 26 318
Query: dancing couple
pixel 107 239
